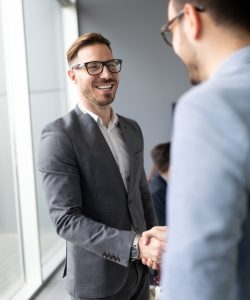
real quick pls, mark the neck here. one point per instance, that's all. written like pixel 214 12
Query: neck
pixel 104 112
pixel 165 175
pixel 213 54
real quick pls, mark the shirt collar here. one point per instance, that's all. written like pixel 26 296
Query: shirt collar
pixel 112 123
pixel 233 61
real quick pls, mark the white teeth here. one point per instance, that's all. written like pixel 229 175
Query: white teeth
pixel 104 87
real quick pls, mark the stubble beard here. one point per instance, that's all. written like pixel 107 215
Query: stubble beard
pixel 194 76
pixel 195 68
pixel 102 102
pixel 105 101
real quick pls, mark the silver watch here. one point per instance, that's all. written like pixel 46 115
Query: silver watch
pixel 134 251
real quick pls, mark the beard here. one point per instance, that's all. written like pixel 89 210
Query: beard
pixel 91 93
pixel 194 74
pixel 103 102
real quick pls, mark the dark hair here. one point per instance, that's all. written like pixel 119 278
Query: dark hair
pixel 86 39
pixel 224 12
pixel 161 156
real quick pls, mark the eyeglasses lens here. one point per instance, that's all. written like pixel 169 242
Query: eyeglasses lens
pixel 94 68
pixel 114 66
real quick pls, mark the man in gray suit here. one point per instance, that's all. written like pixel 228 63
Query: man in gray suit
pixel 91 162
pixel 209 191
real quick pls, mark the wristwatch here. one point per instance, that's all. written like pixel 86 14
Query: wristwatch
pixel 134 251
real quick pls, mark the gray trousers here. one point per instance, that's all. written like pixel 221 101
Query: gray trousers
pixel 135 288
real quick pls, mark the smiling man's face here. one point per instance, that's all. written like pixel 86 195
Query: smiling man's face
pixel 97 90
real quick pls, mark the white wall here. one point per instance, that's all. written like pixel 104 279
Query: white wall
pixel 152 77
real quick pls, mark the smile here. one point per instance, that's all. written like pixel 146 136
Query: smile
pixel 105 86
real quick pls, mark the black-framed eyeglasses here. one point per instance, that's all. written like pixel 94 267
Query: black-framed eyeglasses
pixel 166 31
pixel 96 67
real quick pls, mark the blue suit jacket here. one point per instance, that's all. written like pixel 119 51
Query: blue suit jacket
pixel 158 188
pixel 208 255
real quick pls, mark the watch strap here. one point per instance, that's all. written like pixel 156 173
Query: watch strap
pixel 134 251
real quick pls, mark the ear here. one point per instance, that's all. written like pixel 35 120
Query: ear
pixel 194 21
pixel 72 75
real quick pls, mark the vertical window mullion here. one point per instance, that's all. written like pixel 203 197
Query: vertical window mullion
pixel 19 110
pixel 70 33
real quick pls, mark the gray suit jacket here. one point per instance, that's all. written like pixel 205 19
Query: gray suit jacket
pixel 208 255
pixel 88 202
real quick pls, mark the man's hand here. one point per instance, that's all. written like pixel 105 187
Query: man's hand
pixel 158 232
pixel 151 245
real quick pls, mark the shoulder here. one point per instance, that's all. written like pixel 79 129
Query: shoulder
pixel 211 102
pixel 130 126
pixel 128 122
pixel 213 119
pixel 217 97
pixel 56 149
pixel 202 96
pixel 157 183
pixel 63 123
pixel 56 140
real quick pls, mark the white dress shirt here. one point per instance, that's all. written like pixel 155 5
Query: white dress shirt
pixel 114 139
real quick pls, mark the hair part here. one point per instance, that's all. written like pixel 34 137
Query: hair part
pixel 84 40
pixel 230 13
pixel 161 156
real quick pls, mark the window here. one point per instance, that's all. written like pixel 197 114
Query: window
pixel 11 267
pixel 33 92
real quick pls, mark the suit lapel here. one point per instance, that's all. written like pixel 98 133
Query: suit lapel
pixel 97 140
pixel 129 142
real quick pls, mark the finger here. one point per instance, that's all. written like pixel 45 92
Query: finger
pixel 149 262
pixel 164 228
pixel 144 261
pixel 155 266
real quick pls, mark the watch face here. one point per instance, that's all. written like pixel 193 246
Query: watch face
pixel 134 252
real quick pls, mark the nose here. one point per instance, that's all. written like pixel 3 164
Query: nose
pixel 105 73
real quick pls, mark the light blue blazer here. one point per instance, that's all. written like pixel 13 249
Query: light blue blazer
pixel 208 255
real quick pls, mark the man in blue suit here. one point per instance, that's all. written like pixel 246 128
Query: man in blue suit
pixel 158 184
pixel 208 255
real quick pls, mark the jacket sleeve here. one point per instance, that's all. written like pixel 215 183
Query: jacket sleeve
pixel 62 185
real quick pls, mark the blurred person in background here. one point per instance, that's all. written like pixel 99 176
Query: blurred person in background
pixel 158 185
pixel 208 254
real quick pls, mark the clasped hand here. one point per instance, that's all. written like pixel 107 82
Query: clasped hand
pixel 152 245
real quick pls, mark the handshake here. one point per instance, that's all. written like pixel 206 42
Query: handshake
pixel 152 244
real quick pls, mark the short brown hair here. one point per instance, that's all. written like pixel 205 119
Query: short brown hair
pixel 86 39
pixel 161 156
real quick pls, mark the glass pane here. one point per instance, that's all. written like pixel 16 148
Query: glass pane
pixel 11 269
pixel 47 86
